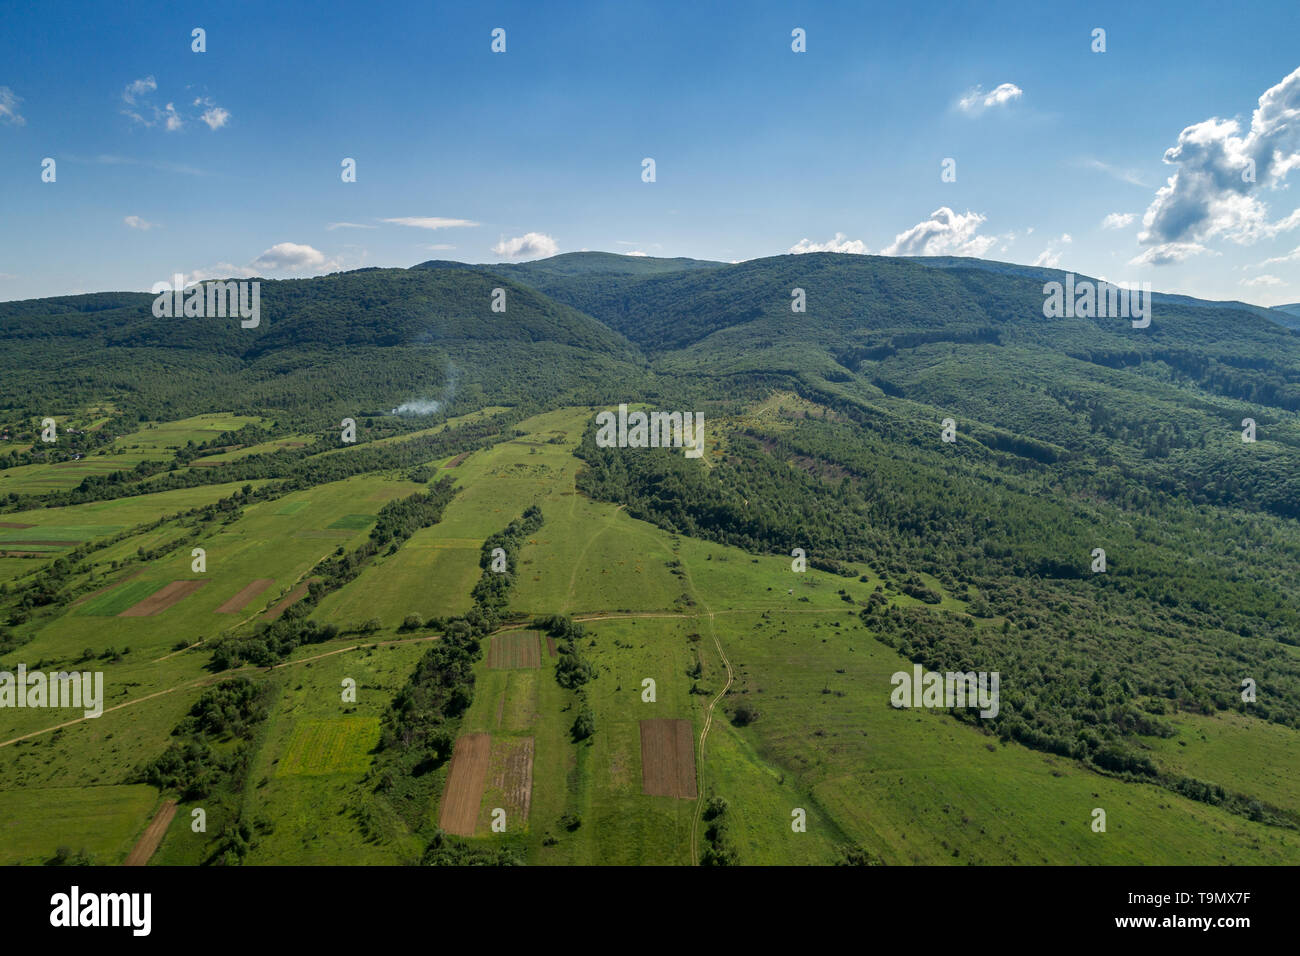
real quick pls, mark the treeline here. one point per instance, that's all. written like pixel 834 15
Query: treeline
pixel 195 766
pixel 572 670
pixel 274 640
pixel 493 587
pixel 211 760
pixel 291 469
pixel 418 731
pixel 445 850
pixel 719 850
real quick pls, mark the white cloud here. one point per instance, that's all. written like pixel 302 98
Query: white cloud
pixel 136 96
pixel 137 88
pixel 430 222
pixel 638 252
pixel 1211 194
pixel 440 247
pixel 1167 253
pixel 222 270
pixel 1051 256
pixel 9 101
pixel 1118 220
pixel 215 117
pixel 293 257
pixel 1289 257
pixel 841 243
pixel 1263 280
pixel 348 225
pixel 283 257
pixel 135 222
pixel 945 233
pixel 532 245
pixel 976 101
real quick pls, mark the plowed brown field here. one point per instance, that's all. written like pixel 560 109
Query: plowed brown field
pixel 245 596
pixel 667 759
pixel 460 801
pixel 162 599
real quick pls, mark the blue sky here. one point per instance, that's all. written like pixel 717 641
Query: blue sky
pixel 227 162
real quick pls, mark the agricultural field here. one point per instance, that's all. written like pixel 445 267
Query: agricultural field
pixel 154 441
pixel 719 677
pixel 102 822
pixel 514 649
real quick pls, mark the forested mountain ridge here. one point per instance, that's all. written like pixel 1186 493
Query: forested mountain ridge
pixel 354 341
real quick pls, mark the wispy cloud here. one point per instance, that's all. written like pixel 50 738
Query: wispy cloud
pixel 430 222
pixel 1291 256
pixel 140 107
pixel 1168 253
pixel 105 159
pixel 135 222
pixel 139 88
pixel 1130 176
pixel 977 101
pixel 1051 256
pixel 1118 220
pixel 9 101
pixel 349 225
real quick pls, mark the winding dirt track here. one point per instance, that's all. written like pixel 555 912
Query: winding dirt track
pixel 708 722
pixel 147 845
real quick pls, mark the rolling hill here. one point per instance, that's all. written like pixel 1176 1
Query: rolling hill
pixel 950 461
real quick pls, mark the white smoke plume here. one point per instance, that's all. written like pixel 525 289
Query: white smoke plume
pixel 432 406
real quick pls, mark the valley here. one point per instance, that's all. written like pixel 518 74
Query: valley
pixel 346 680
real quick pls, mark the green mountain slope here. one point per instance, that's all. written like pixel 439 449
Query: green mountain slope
pixel 368 339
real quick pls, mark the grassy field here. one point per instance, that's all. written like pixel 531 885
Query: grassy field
pixel 910 786
pixel 156 441
pixel 264 543
pixel 1246 755
pixel 262 448
pixel 305 783
pixel 102 821
pixel 341 745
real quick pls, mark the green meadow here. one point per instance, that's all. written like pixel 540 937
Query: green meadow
pixel 155 441
pixel 103 821
pixel 823 743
